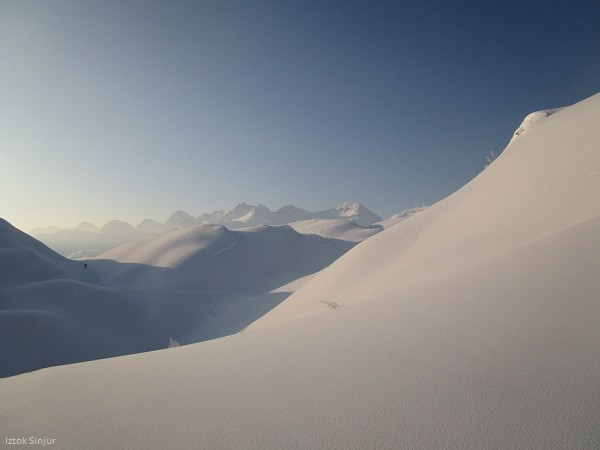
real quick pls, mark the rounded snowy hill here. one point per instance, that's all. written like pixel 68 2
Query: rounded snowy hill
pixel 24 259
pixel 212 258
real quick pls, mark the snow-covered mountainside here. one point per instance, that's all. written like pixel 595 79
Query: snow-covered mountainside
pixel 344 229
pixel 211 258
pixel 189 284
pixel 533 120
pixel 474 323
pixel 544 182
pixel 400 217
pixel 26 260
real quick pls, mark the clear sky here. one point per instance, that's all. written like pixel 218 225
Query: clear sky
pixel 126 110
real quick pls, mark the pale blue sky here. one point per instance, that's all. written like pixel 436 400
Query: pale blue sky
pixel 126 110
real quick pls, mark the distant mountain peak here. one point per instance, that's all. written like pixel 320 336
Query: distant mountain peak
pixel 117 225
pixel 87 226
pixel 356 212
pixel 180 219
pixel 350 207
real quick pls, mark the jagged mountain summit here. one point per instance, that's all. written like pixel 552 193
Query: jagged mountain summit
pixel 245 215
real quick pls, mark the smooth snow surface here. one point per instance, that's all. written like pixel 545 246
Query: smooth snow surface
pixel 400 217
pixel 211 258
pixel 474 323
pixel 543 182
pixel 344 229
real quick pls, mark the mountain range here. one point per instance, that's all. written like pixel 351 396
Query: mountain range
pixel 86 240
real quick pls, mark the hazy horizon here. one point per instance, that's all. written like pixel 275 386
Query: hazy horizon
pixel 195 214
pixel 132 110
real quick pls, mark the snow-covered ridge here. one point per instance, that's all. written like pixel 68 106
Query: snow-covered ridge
pixel 401 216
pixel 533 120
pixel 520 198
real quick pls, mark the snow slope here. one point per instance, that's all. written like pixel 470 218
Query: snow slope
pixel 400 217
pixel 52 311
pixel 472 324
pixel 23 259
pixel 211 258
pixel 468 361
pixel 344 229
pixel 545 181
pixel 533 120
pixel 191 284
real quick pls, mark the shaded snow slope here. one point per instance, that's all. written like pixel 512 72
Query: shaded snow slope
pixel 191 285
pixel 543 182
pixel 52 311
pixel 211 258
pixel 24 259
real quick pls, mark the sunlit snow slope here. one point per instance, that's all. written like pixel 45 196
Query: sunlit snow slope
pixel 545 181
